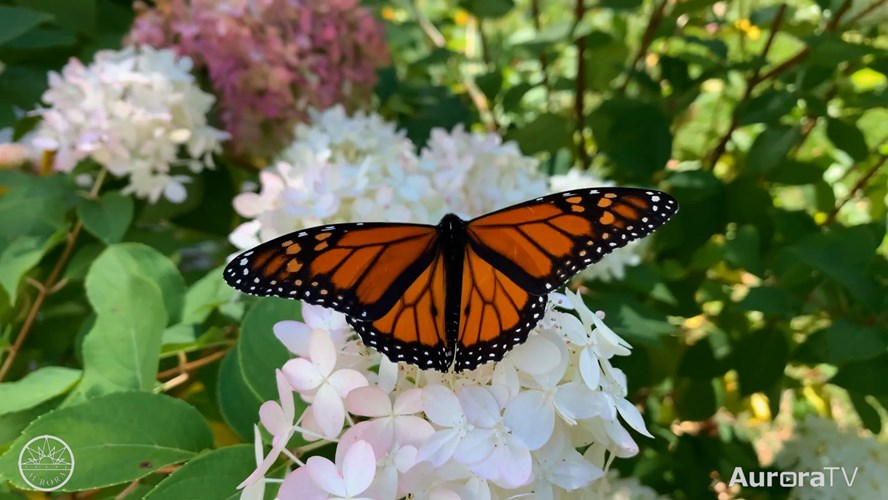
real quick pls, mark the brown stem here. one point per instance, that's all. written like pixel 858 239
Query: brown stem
pixel 485 48
pixel 653 24
pixel 857 187
pixel 869 8
pixel 544 62
pixel 192 365
pixel 580 91
pixel 48 286
pixel 751 82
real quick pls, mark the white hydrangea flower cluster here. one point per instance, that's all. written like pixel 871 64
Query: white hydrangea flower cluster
pixel 360 168
pixel 503 429
pixel 133 111
pixel 477 173
pixel 339 169
pixel 818 444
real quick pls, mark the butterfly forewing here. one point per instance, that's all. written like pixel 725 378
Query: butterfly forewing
pixel 542 243
pixel 359 269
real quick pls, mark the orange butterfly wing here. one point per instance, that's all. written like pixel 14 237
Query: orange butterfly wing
pixel 358 269
pixel 414 329
pixel 516 256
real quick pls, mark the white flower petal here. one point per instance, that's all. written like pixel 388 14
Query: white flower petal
pixel 439 448
pixel 480 407
pixel 302 374
pixel 408 402
pixel 346 380
pixel 295 336
pixel 368 402
pixel 322 352
pixel 530 418
pixel 325 475
pixel 441 406
pixel 475 446
pixel 358 467
pixel 590 369
pixel 632 416
pixel 329 411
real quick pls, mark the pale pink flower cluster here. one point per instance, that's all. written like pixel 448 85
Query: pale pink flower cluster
pixel 269 61
pixel 819 445
pixel 503 429
pixel 138 113
pixel 340 168
pixel 478 173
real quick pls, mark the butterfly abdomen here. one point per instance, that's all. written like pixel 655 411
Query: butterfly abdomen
pixel 452 241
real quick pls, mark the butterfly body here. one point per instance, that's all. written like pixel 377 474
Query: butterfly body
pixel 458 294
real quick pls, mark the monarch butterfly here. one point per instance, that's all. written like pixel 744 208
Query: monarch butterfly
pixel 459 294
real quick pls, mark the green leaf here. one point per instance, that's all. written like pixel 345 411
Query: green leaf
pixel 760 358
pixel 108 217
pixel 247 375
pixel 513 95
pixel 699 362
pixel 36 387
pixel 828 49
pixel 259 351
pixel 238 404
pixel 744 250
pixel 848 138
pixel 842 342
pixel 21 255
pixel 16 21
pixel 695 399
pixel 136 258
pixel 869 416
pixel 843 255
pixel 41 39
pixel 621 4
pixel 487 8
pixel 634 135
pixel 117 438
pixel 214 474
pixel 770 148
pixel 32 205
pixel 548 132
pixel 12 424
pixel 75 16
pixel 490 84
pixel 122 349
pixel 796 173
pixel 767 107
pixel 772 301
pixel 864 377
pixel 205 296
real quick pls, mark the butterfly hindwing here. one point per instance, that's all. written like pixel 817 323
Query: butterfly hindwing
pixel 360 269
pixel 495 313
pixel 414 329
pixel 542 243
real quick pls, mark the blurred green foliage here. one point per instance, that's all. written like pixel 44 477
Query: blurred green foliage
pixel 767 122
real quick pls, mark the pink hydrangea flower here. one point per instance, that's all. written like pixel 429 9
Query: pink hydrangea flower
pixel 270 60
